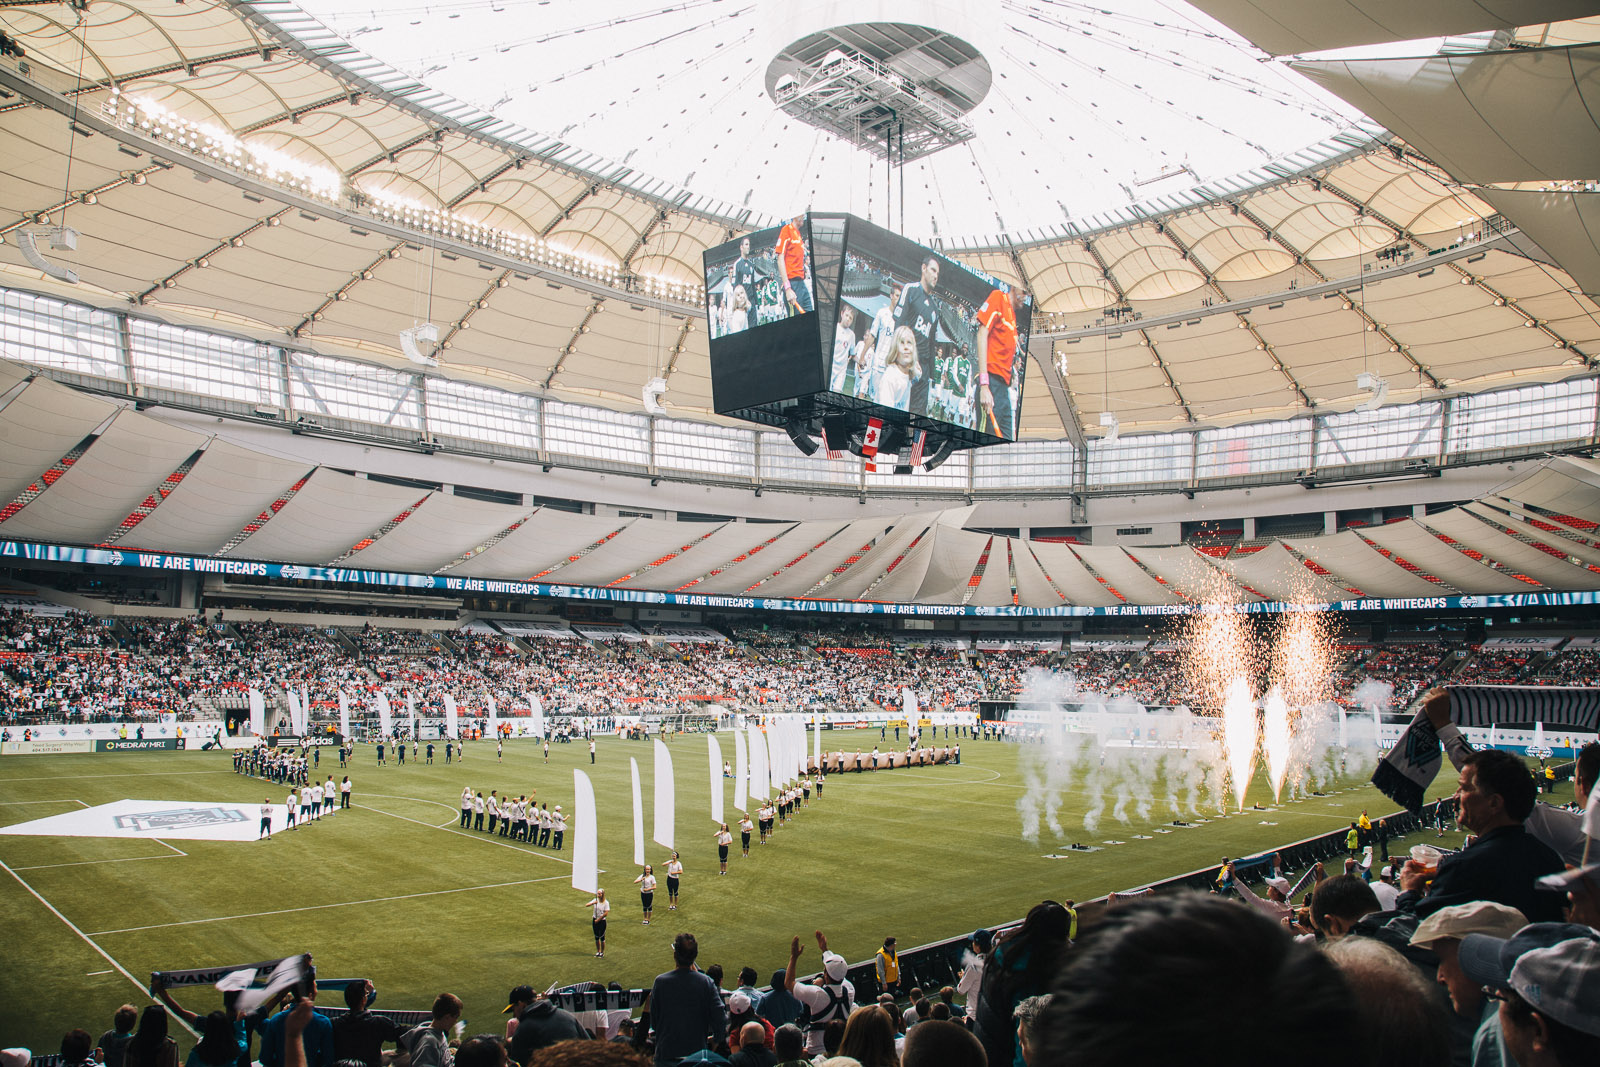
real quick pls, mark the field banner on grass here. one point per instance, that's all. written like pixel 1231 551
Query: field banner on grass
pixel 741 770
pixel 258 713
pixel 585 842
pixel 385 714
pixel 638 815
pixel 344 714
pixel 758 764
pixel 305 710
pixel 908 700
pixel 411 713
pixel 494 718
pixel 536 708
pixel 452 718
pixel 715 752
pixel 777 752
pixel 816 740
pixel 666 796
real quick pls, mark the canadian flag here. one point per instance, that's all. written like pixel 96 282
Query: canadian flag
pixel 869 442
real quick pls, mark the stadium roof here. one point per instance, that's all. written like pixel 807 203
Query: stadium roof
pixel 241 164
pixel 83 470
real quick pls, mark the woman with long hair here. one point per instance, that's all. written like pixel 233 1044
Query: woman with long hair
pixel 219 1045
pixel 869 1037
pixel 647 890
pixel 674 875
pixel 602 910
pixel 1022 964
pixel 151 1047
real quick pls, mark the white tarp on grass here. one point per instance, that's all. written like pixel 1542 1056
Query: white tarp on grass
pixel 177 820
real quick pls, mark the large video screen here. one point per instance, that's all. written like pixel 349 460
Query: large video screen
pixel 761 311
pixel 920 333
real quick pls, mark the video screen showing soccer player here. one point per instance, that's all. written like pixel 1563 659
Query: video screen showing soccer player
pixel 761 308
pixel 920 333
pixel 763 277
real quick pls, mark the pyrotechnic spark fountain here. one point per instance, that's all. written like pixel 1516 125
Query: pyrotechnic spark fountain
pixel 1239 729
pixel 1277 740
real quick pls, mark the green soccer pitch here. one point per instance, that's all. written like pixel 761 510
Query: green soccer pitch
pixel 394 891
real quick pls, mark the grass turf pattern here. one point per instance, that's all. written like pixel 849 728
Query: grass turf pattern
pixel 394 891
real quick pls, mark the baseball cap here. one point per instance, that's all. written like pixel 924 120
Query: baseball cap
pixel 1459 920
pixel 1387 872
pixel 1563 982
pixel 983 938
pixel 1490 960
pixel 15 1057
pixel 739 1003
pixel 834 966
pixel 521 994
pixel 1280 884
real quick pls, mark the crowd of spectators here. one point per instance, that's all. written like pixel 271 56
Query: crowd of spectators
pixel 74 667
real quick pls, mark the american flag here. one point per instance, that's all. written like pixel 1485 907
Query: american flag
pixel 832 453
pixel 916 449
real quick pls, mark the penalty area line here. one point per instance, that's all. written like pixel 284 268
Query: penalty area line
pixel 312 907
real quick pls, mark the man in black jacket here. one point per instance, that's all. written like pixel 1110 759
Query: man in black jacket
pixel 539 1024
pixel 1495 794
pixel 359 1034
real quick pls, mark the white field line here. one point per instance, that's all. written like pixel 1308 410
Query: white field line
pixel 319 907
pixel 451 828
pixel 87 939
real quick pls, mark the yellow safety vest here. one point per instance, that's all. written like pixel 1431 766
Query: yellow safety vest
pixel 891 966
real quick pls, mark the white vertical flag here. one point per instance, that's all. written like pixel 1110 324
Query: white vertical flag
pixel 816 739
pixel 344 714
pixel 775 771
pixel 638 815
pixel 715 751
pixel 305 711
pixel 385 714
pixel 741 770
pixel 585 842
pixel 666 796
pixel 295 714
pixel 258 713
pixel 759 779
pixel 494 718
pixel 452 718
pixel 411 712
pixel 536 707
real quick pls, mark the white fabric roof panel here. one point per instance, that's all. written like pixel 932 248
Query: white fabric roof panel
pixel 123 466
pixel 644 541
pixel 724 543
pixel 796 541
pixel 1556 491
pixel 545 540
pixel 1564 224
pixel 40 425
pixel 1061 565
pixel 1527 115
pixel 226 489
pixel 1285 27
pixel 906 581
pixel 1111 562
pixel 1191 574
pixel 1412 542
pixel 1462 526
pixel 1277 575
pixel 440 530
pixel 994 588
pixel 1033 588
pixel 853 583
pixel 1352 560
pixel 855 539
pixel 12 375
pixel 326 518
pixel 1516 522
